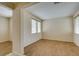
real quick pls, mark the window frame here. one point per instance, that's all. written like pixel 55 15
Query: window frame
pixel 37 21
pixel 32 26
pixel 38 26
pixel 76 25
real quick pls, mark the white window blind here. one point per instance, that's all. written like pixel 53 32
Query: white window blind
pixel 36 26
pixel 77 25
pixel 33 26
pixel 39 27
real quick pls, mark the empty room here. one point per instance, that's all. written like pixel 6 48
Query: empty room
pixel 41 29
pixel 59 29
pixel 5 30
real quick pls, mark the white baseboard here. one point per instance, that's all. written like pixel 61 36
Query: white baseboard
pixel 76 43
pixel 58 40
pixel 4 41
pixel 14 54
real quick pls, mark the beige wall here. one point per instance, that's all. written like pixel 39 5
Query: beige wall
pixel 29 38
pixel 21 30
pixel 58 29
pixel 10 28
pixel 4 29
pixel 16 32
pixel 76 39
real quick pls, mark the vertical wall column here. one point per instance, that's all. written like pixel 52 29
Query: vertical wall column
pixel 16 32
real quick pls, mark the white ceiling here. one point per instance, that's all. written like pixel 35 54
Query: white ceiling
pixel 5 11
pixel 49 10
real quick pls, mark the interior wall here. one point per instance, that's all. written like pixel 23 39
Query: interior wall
pixel 29 38
pixel 4 29
pixel 21 31
pixel 60 29
pixel 76 31
pixel 16 32
pixel 10 28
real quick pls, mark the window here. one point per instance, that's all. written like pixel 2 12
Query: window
pixel 77 25
pixel 36 26
pixel 33 26
pixel 39 27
